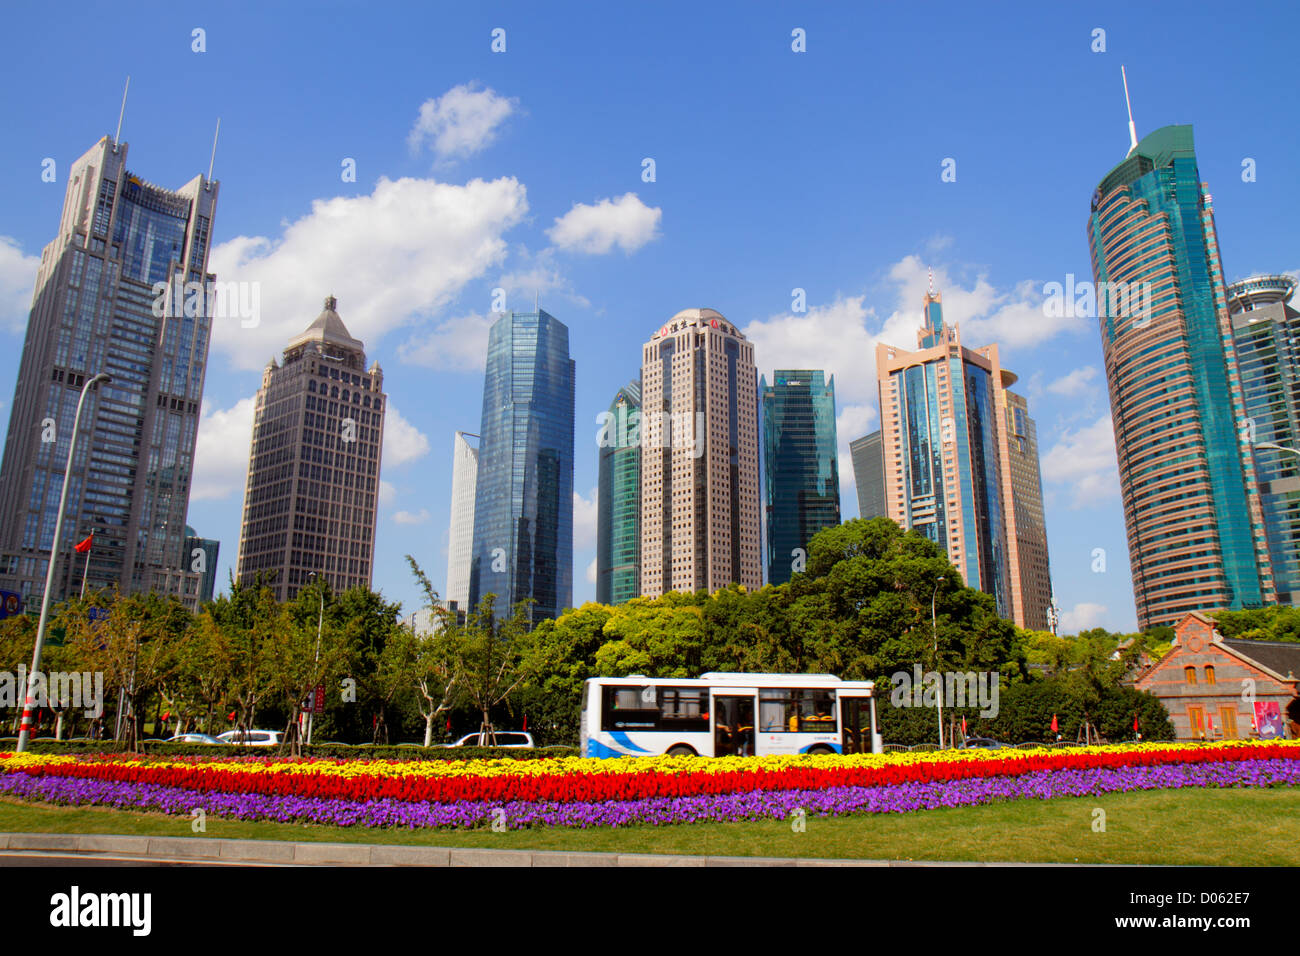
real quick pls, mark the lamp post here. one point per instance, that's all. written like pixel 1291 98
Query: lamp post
pixel 25 729
pixel 934 630
pixel 320 622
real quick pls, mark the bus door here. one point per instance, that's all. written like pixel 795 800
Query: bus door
pixel 733 725
pixel 855 721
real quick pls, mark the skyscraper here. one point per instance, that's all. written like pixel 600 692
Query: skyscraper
pixel 961 464
pixel 868 456
pixel 460 541
pixel 313 472
pixel 700 524
pixel 618 508
pixel 801 467
pixel 1266 335
pixel 211 550
pixel 1195 529
pixel 523 511
pixel 105 288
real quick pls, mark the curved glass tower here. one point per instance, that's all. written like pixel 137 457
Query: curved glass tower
pixel 1195 532
pixel 618 516
pixel 523 510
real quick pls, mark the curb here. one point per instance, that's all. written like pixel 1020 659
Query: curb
pixel 284 853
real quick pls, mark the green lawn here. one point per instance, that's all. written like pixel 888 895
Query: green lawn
pixel 1190 827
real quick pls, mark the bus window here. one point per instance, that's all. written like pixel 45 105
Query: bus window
pixel 796 710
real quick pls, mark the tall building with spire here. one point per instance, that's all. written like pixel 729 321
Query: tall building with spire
pixel 313 472
pixel 618 504
pixel 961 464
pixel 523 510
pixel 801 475
pixel 700 496
pixel 104 303
pixel 460 539
pixel 1266 336
pixel 1192 512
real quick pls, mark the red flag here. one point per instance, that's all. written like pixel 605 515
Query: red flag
pixel 167 716
pixel 231 717
pixel 525 721
pixel 448 725
pixel 1135 723
pixel 963 726
pixel 83 546
pixel 1054 726
pixel 1210 720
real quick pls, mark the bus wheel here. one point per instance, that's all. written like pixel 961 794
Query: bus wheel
pixel 819 751
pixel 681 750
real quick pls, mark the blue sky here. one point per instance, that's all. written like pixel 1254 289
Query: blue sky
pixel 774 170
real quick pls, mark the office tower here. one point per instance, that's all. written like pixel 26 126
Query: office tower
pixel 1266 336
pixel 618 509
pixel 460 540
pixel 700 524
pixel 202 554
pixel 801 468
pixel 313 472
pixel 868 456
pixel 961 464
pixel 1195 529
pixel 104 302
pixel 523 510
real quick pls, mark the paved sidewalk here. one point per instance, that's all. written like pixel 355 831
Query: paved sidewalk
pixel 262 852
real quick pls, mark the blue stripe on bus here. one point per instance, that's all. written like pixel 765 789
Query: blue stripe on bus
pixel 620 738
pixel 838 748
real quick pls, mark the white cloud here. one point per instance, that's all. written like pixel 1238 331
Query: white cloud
pixel 1083 616
pixel 221 450
pixel 1077 382
pixel 584 521
pixel 406 517
pixel 403 442
pixel 454 345
pixel 591 572
pixel 387 494
pixel 626 222
pixel 17 280
pixel 404 251
pixel 1083 460
pixel 461 122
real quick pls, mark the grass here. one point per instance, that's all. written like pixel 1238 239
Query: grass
pixel 1192 826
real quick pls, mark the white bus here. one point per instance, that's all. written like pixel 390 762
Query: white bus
pixel 714 715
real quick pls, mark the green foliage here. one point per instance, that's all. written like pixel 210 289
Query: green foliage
pixel 1276 623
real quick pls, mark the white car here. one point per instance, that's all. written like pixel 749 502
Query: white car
pixel 505 738
pixel 252 738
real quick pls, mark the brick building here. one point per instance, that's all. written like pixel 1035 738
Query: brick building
pixel 1202 681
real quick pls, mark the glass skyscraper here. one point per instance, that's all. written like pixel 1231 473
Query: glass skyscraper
pixel 868 456
pixel 961 464
pixel 1195 529
pixel 523 511
pixel 800 465
pixel 98 307
pixel 1266 334
pixel 460 538
pixel 618 516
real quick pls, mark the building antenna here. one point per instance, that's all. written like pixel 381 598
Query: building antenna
pixel 932 281
pixel 117 137
pixel 212 162
pixel 1132 130
pixel 536 295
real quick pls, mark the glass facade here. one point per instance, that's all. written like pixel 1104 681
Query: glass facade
pixel 1266 334
pixel 1195 529
pixel 618 521
pixel 523 512
pixel 868 456
pixel 800 465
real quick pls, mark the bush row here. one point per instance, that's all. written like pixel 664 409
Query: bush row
pixel 359 752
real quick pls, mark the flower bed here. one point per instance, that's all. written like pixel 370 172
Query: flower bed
pixel 659 790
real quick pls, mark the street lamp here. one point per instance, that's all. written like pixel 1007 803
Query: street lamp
pixel 934 630
pixel 25 729
pixel 320 622
pixel 1277 447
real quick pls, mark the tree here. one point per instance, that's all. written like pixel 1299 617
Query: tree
pixel 240 629
pixel 435 659
pixel 496 657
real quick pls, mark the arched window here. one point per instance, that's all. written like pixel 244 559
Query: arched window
pixel 1209 673
pixel 1190 672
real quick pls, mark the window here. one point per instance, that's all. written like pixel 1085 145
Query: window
pixel 782 710
pixel 1209 674
pixel 675 709
pixel 1196 721
pixel 1190 674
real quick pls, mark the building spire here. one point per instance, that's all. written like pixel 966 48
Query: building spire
pixel 931 271
pixel 1132 130
pixel 117 137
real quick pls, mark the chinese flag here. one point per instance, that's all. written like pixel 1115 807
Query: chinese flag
pixel 1135 723
pixel 963 726
pixel 1055 728
pixel 231 717
pixel 83 546
pixel 1210 721
pixel 525 721
pixel 448 725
